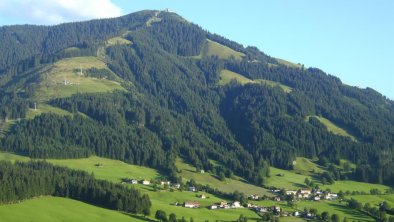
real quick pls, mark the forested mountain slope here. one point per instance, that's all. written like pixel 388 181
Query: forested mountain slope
pixel 171 103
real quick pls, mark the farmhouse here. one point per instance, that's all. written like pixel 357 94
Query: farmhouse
pixel 165 182
pixel 254 197
pixel 177 186
pixel 213 207
pixel 134 181
pixel 331 196
pixel 192 189
pixel 202 196
pixel 277 198
pixel 146 182
pixel 191 204
pixel 236 204
pixel 291 192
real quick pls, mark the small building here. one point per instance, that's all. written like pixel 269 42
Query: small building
pixel 316 198
pixel 192 189
pixel 296 213
pixel 177 186
pixel 262 209
pixel 145 182
pixel 191 204
pixel 223 203
pixel 276 209
pixel 165 182
pixel 277 198
pixel 202 171
pixel 305 191
pixel 202 196
pixel 236 204
pixel 291 192
pixel 213 207
pixel 134 181
pixel 254 197
pixel 331 196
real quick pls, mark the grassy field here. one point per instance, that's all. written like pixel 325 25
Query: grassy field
pixel 292 180
pixel 331 127
pixel 229 185
pixel 306 167
pixel 118 41
pixel 285 88
pixel 111 170
pixel 53 83
pixel 374 200
pixel 211 48
pixel 287 63
pixel 114 171
pixel 57 209
pixel 331 207
pixel 45 108
pixel 226 76
pixel 166 200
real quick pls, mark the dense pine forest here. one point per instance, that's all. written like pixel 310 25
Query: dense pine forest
pixel 173 104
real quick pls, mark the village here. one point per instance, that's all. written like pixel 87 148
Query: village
pixel 280 195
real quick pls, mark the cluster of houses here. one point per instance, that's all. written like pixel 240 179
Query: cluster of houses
pixel 225 205
pixel 148 182
pixel 274 209
pixel 307 194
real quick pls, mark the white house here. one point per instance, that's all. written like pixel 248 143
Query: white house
pixel 213 207
pixel 192 204
pixel 145 182
pixel 165 182
pixel 202 196
pixel 331 196
pixel 134 181
pixel 236 204
pixel 291 192
pixel 316 198
pixel 177 185
pixel 193 189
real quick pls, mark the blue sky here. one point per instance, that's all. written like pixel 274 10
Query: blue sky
pixel 352 39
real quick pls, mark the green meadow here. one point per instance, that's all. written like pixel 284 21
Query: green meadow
pixel 63 80
pixel 229 185
pixel 57 209
pixel 211 48
pixel 333 128
pixel 226 76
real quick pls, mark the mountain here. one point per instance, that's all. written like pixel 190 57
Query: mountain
pixel 149 87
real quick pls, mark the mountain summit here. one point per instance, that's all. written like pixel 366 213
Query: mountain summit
pixel 149 87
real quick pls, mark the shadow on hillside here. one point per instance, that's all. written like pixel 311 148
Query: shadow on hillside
pixel 139 217
pixel 355 214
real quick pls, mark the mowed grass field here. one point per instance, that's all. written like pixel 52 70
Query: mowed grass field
pixel 46 108
pixel 53 86
pixel 333 128
pixel 229 185
pixel 226 76
pixel 57 209
pixel 291 180
pixel 211 48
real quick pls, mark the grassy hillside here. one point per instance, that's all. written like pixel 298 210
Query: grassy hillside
pixel 285 88
pixel 333 128
pixel 165 201
pixel 114 170
pixel 211 48
pixel 226 76
pixel 57 209
pixel 118 41
pixel 287 63
pixel 291 180
pixel 229 185
pixel 45 108
pixel 63 80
